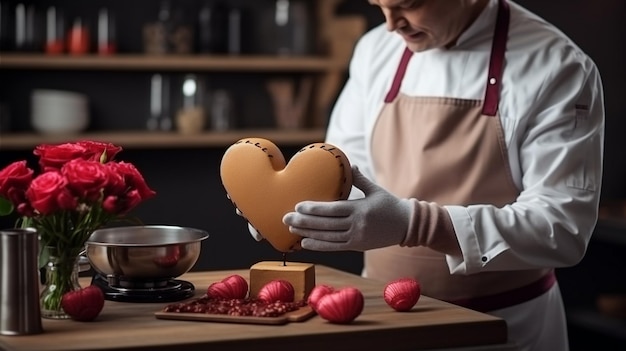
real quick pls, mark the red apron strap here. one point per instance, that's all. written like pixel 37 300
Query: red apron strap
pixel 397 79
pixel 496 61
pixel 496 64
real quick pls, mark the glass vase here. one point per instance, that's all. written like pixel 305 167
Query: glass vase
pixel 61 276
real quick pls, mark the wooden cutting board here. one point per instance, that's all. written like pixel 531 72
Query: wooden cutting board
pixel 298 315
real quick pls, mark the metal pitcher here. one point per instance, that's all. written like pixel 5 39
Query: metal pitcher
pixel 20 312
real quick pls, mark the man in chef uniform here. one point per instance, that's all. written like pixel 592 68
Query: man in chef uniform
pixel 477 130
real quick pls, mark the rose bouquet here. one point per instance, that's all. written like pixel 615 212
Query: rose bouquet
pixel 80 188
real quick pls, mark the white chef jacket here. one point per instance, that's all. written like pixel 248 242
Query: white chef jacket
pixel 552 115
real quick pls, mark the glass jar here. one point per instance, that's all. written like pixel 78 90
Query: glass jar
pixel 221 114
pixel 78 42
pixel 61 276
pixel 106 32
pixel 190 118
pixel 55 31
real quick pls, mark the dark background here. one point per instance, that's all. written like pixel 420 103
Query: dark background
pixel 187 180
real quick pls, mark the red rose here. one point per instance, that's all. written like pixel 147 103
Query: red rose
pixel 122 196
pixel 132 178
pixel 116 184
pixel 122 204
pixel 131 200
pixel 48 193
pixel 110 205
pixel 99 151
pixel 86 179
pixel 53 157
pixel 14 180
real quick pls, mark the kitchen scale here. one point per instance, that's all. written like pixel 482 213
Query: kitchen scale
pixel 164 290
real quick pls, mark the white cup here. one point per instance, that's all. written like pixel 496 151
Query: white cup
pixel 59 112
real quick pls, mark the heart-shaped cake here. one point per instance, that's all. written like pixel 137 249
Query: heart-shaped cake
pixel 264 187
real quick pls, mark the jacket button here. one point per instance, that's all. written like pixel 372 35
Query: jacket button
pixel 484 258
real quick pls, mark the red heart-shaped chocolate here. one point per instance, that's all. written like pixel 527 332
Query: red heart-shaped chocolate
pixel 317 293
pixel 238 286
pixel 341 306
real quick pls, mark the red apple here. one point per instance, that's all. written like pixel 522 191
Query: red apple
pixel 83 305
pixel 341 306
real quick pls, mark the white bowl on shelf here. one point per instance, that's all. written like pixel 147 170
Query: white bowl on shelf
pixel 59 111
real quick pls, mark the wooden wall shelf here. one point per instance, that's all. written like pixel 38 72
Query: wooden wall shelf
pixel 335 36
pixel 190 62
pixel 160 140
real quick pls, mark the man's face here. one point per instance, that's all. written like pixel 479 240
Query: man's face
pixel 427 24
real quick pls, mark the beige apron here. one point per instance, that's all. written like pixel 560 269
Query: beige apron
pixel 451 152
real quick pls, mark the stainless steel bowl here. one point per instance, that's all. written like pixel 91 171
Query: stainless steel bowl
pixel 144 253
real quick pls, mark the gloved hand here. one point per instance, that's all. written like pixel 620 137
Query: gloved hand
pixel 253 232
pixel 378 220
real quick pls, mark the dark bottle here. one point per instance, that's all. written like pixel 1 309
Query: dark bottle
pixel 235 32
pixel 213 29
pixel 158 35
pixel 27 28
pixel 6 26
pixel 292 27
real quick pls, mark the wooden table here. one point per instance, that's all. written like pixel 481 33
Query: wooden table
pixel 432 324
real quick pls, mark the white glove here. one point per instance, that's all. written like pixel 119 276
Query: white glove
pixel 378 220
pixel 253 232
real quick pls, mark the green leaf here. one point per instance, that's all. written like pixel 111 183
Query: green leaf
pixel 44 257
pixel 6 207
